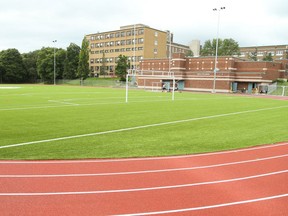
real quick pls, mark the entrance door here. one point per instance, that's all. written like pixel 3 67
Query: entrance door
pixel 234 86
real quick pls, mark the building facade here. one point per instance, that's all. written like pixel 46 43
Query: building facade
pixel 137 42
pixel 278 52
pixel 197 73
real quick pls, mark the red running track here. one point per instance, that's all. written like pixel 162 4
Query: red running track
pixel 242 182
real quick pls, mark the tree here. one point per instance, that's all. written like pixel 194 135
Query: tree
pixel 253 55
pixel 122 66
pixel 189 53
pixel 30 64
pixel 268 57
pixel 226 47
pixel 83 66
pixel 71 61
pixel 12 66
pixel 45 64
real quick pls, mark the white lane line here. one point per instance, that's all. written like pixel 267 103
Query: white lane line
pixel 144 159
pixel 140 127
pixel 207 207
pixel 145 189
pixel 144 171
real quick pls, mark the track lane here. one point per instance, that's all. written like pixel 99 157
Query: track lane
pixel 146 180
pixel 179 198
pixel 132 165
pixel 153 201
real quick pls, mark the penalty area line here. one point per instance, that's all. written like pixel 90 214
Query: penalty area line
pixel 139 127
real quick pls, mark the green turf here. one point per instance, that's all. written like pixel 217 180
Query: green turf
pixel 37 113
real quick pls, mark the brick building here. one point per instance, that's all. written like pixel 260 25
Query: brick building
pixel 137 42
pixel 196 73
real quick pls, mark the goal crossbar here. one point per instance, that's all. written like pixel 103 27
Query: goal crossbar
pixel 160 75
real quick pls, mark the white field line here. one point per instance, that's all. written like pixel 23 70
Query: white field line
pixel 145 189
pixel 143 159
pixel 143 171
pixel 207 207
pixel 134 100
pixel 140 127
pixel 63 102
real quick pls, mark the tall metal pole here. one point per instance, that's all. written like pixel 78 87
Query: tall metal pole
pixel 54 62
pixel 216 54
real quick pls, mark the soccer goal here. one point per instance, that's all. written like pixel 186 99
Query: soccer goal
pixel 152 75
pixel 156 86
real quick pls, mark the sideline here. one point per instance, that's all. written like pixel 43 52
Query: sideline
pixel 140 127
pixel 145 189
pixel 119 160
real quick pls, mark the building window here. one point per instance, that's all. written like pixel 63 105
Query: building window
pixel 155 42
pixel 123 42
pixel 141 40
pixel 279 52
pixel 156 34
pixel 128 42
pixel 155 51
pixel 112 35
pixel 122 34
pixel 107 36
pixel 128 33
pixel 117 35
pixel 106 51
pixel 117 50
pixel 112 43
pixel 140 48
pixel 141 31
pixel 117 43
pixel 91 61
pixel 128 49
pixel 111 50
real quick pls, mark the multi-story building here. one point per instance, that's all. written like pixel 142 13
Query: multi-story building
pixel 137 42
pixel 278 52
pixel 197 73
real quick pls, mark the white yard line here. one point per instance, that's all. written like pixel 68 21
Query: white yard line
pixel 140 127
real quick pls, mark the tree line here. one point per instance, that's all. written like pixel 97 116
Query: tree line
pixel 71 63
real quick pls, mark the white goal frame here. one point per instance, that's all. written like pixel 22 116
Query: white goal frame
pixel 153 74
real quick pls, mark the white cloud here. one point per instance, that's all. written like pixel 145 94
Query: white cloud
pixel 31 24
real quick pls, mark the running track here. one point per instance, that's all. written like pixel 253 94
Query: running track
pixel 250 182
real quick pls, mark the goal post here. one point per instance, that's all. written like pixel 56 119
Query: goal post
pixel 163 75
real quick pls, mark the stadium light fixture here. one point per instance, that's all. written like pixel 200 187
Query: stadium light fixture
pixel 54 41
pixel 216 54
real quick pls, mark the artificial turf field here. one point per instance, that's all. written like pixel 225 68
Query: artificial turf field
pixel 64 122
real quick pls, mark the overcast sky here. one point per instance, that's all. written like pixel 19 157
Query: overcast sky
pixel 28 25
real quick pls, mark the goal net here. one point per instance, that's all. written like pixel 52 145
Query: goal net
pixel 152 80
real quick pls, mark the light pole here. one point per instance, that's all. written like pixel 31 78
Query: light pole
pixel 216 54
pixel 54 41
